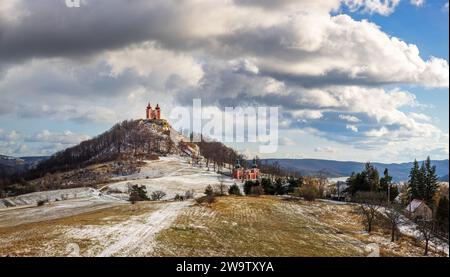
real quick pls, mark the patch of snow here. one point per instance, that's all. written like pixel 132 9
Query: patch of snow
pixel 134 237
pixel 50 196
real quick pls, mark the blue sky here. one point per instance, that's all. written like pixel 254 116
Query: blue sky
pixel 347 90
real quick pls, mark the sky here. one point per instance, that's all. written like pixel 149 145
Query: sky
pixel 360 80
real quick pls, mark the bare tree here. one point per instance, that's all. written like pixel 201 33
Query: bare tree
pixel 221 188
pixel 323 181
pixel 369 205
pixel 395 217
pixel 427 230
pixel 158 195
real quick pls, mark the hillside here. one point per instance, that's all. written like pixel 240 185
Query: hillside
pixel 117 152
pixel 400 171
pixel 130 140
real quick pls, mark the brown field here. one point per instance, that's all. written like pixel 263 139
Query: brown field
pixel 269 226
pixel 232 226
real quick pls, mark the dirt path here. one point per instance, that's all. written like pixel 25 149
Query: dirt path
pixel 137 238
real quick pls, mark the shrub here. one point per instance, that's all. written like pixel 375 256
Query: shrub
pixel 310 189
pixel 210 195
pixel 41 203
pixel 268 187
pixel 220 189
pixel 257 191
pixel 248 187
pixel 209 190
pixel 234 190
pixel 206 199
pixel 278 187
pixel 189 195
pixel 138 193
pixel 158 195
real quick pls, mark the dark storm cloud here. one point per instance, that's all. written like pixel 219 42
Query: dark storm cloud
pixel 332 77
pixel 50 29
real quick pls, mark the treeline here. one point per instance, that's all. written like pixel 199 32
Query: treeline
pixel 217 155
pixel 423 182
pixel 129 139
pixel 368 180
pixel 13 185
pixel 369 188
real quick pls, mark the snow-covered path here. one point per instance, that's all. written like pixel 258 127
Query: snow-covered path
pixel 135 237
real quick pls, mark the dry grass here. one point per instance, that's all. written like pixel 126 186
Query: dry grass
pixel 231 226
pixel 251 226
pixel 269 226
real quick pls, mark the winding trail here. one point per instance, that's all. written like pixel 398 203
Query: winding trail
pixel 137 239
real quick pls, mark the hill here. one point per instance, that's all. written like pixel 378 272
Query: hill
pixel 117 152
pixel 121 151
pixel 330 168
pixel 444 178
pixel 132 140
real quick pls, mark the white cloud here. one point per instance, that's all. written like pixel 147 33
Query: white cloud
pixel 307 114
pixel 420 117
pixel 66 137
pixel 146 59
pixel 349 118
pixel 12 11
pixel 285 141
pixel 325 150
pixel 352 128
pixel 8 136
pixel 418 3
pixel 383 131
pixel 42 143
pixel 383 7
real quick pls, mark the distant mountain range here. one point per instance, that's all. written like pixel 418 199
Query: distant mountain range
pixel 334 169
pixel 11 165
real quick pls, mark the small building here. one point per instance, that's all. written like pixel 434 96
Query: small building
pixel 338 191
pixel 153 114
pixel 418 209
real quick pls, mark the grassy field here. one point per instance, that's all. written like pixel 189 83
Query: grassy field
pixel 270 226
pixel 232 226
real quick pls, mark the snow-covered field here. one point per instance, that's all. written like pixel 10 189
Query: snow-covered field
pixel 51 196
pixel 173 175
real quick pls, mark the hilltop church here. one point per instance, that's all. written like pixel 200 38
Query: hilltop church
pixel 153 113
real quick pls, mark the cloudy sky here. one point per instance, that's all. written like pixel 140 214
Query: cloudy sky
pixel 354 79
